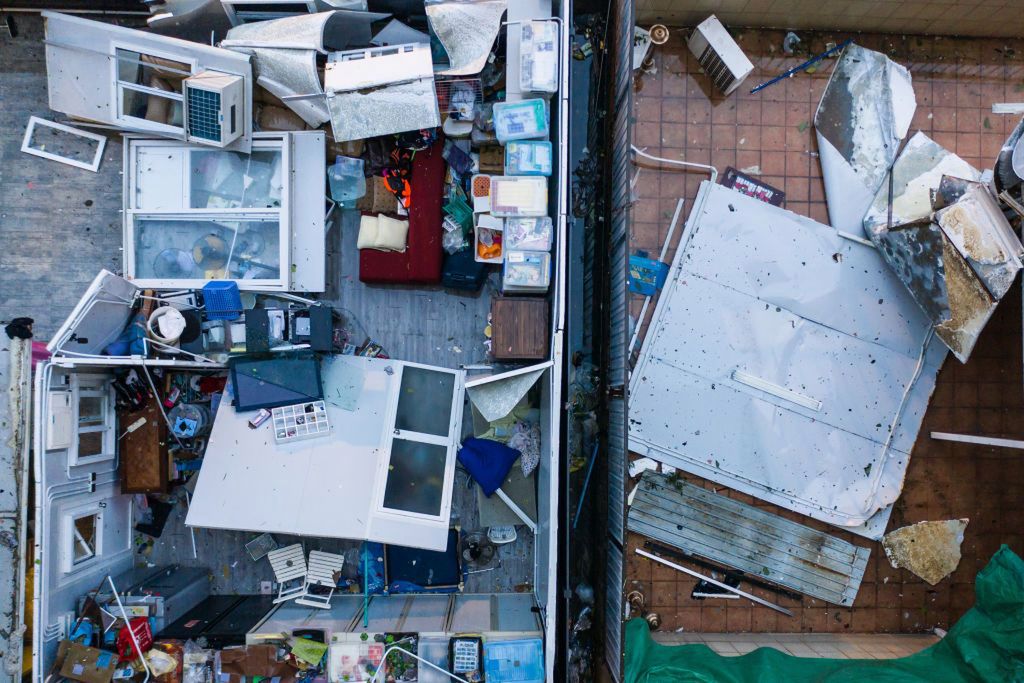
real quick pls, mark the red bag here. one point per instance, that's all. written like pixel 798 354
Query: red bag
pixel 143 634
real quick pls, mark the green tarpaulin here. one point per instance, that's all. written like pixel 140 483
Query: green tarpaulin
pixel 987 644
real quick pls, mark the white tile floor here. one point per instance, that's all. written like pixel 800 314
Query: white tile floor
pixel 825 645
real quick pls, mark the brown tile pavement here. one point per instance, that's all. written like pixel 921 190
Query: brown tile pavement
pixel 956 81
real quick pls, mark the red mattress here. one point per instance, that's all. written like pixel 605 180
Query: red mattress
pixel 421 261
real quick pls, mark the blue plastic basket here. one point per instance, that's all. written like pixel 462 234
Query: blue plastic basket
pixel 222 299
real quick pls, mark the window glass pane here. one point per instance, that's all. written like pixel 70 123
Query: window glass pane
pixel 90 411
pixel 229 180
pixel 153 72
pixel 84 541
pixel 90 443
pixel 416 477
pixel 425 401
pixel 206 249
pixel 151 107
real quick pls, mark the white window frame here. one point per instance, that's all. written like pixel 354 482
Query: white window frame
pixel 120 86
pixel 450 441
pixel 100 140
pixel 70 538
pixel 282 213
pixel 96 387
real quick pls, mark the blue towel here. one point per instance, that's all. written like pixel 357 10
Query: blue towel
pixel 488 462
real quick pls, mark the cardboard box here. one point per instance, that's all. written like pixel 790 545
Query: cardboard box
pixel 87 664
pixel 239 663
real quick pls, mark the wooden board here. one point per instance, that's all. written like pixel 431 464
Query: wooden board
pixel 143 453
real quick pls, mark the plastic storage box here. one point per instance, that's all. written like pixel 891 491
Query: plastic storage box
pixel 520 120
pixel 527 272
pixel 300 421
pixel 514 196
pixel 531 234
pixel 538 67
pixel 528 157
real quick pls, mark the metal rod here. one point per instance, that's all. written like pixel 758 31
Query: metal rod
pixel 131 631
pixel 809 62
pixel 586 485
pixel 664 250
pixel 713 582
pixel 978 440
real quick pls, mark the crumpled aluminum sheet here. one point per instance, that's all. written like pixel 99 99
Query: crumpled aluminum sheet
pixel 790 301
pixel 863 115
pixel 293 72
pixel 467 31
pixel 981 234
pixel 940 281
pixel 494 400
pixel 383 111
pixel 916 173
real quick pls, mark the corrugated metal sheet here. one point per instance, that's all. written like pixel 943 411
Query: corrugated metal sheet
pixel 737 535
pixel 622 18
pixel 613 612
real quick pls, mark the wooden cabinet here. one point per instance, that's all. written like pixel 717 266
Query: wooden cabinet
pixel 520 328
pixel 143 453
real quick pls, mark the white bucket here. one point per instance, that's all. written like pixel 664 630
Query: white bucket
pixel 165 325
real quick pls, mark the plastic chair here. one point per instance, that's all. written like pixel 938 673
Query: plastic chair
pixel 289 564
pixel 322 568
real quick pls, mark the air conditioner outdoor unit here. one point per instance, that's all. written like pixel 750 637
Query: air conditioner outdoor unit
pixel 214 107
pixel 719 55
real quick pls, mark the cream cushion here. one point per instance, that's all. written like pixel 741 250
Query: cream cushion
pixel 382 233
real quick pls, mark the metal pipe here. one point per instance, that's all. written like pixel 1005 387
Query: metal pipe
pixel 801 67
pixel 713 582
pixel 664 250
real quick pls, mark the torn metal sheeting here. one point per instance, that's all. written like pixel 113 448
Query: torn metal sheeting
pixel 791 302
pixel 940 281
pixel 704 524
pixel 915 175
pixel 379 91
pixel 55 150
pixel 323 32
pixel 383 111
pixel 287 73
pixel 495 396
pixel 863 115
pixel 467 31
pixel 976 226
pixel 930 550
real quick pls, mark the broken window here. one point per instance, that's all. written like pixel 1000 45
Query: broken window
pixel 149 88
pixel 95 440
pixel 85 531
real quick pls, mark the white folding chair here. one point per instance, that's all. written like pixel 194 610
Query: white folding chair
pixel 289 565
pixel 322 568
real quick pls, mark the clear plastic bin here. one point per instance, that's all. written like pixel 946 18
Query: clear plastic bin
pixel 526 271
pixel 528 157
pixel 514 196
pixel 538 67
pixel 530 234
pixel 521 120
